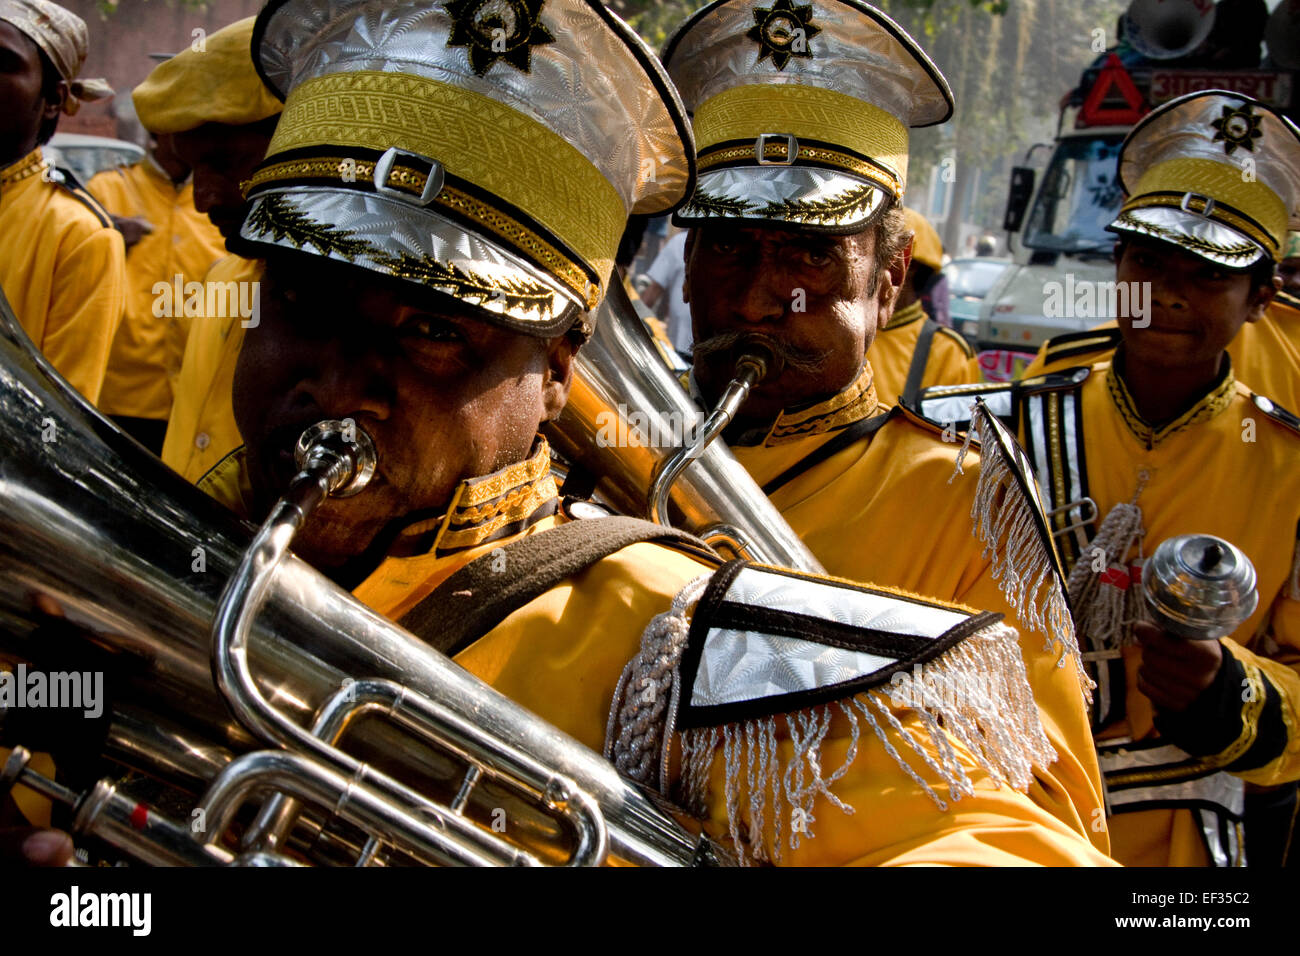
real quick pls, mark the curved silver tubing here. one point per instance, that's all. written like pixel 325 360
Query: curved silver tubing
pixel 750 370
pixel 354 799
pixel 244 597
pixel 102 540
pixel 423 716
pixel 119 820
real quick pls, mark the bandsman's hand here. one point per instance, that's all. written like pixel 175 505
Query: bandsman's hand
pixel 1175 671
pixel 26 846
pixel 132 228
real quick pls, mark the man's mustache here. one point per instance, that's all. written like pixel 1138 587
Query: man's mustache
pixel 790 356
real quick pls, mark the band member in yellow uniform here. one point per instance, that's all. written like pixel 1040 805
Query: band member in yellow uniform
pixel 220 116
pixel 1160 440
pixel 911 351
pixel 807 250
pixel 1265 353
pixel 62 265
pixel 435 293
pixel 179 247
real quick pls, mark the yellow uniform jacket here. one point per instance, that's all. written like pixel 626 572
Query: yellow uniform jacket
pixel 201 429
pixel 563 654
pixel 63 270
pixel 882 510
pixel 146 355
pixel 1265 354
pixel 1229 466
pixel 946 360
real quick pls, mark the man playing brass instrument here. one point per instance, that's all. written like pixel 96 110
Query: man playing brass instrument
pixel 429 273
pixel 798 237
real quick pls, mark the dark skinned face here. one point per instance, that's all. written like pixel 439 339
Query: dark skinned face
pixel 222 157
pixel 163 149
pixel 20 92
pixel 748 280
pixel 1196 307
pixel 1289 273
pixel 445 395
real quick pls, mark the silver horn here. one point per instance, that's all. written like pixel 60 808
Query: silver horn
pixel 107 550
pixel 1168 29
pixel 630 422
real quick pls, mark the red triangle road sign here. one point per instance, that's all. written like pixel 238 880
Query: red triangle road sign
pixel 1098 112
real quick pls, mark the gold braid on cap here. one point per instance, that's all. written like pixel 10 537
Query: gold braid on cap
pixel 1240 251
pixel 276 216
pixel 359 174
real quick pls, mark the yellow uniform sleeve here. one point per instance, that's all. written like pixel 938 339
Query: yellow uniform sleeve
pixel 561 656
pixel 950 362
pixel 201 429
pixel 160 268
pixel 886 819
pixel 88 294
pixel 884 512
pixel 1247 722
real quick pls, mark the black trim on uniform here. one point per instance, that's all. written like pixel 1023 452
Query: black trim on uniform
pixel 74 188
pixel 1205 805
pixel 1062 347
pixel 920 359
pixel 1215 720
pixel 862 428
pixel 714 611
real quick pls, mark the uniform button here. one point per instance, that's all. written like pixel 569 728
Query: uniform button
pixel 202 441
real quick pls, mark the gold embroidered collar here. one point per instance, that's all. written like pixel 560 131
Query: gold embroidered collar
pixel 852 404
pixel 905 316
pixel 1211 404
pixel 482 509
pixel 29 165
pixel 489 507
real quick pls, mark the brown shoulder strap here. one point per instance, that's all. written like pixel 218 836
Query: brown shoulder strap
pixel 486 591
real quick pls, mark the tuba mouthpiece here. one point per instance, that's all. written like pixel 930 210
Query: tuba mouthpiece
pixel 339 451
pixel 758 359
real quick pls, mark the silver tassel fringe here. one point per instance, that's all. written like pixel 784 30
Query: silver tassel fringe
pixel 976 693
pixel 1004 523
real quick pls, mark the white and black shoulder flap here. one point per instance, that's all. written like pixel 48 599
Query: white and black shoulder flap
pixel 768 654
pixel 951 406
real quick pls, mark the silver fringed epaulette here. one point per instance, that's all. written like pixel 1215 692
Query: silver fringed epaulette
pixel 753 655
pixel 1012 523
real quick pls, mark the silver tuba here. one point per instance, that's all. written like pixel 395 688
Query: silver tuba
pixel 359 743
pixel 629 421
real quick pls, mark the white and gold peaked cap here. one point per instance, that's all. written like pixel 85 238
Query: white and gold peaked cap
pixel 801 110
pixel 491 150
pixel 1215 173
